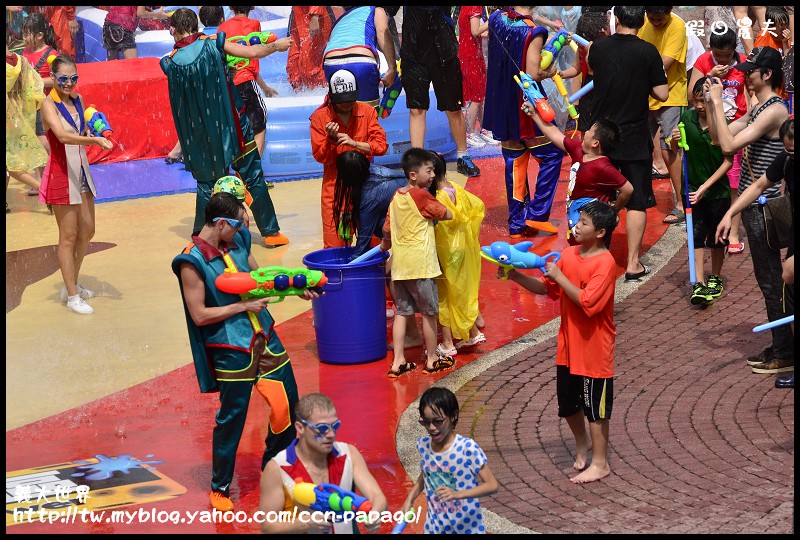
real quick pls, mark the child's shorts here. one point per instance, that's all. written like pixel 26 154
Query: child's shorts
pixel 575 393
pixel 706 215
pixel 416 296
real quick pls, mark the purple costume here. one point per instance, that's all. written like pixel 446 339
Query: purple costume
pixel 510 34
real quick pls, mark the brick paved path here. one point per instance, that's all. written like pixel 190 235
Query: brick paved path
pixel 698 443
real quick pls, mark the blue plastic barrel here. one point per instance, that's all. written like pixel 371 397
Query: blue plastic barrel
pixel 350 318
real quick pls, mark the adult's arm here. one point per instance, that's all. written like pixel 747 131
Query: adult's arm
pixel 52 119
pixel 386 44
pixel 534 59
pixel 745 199
pixel 368 487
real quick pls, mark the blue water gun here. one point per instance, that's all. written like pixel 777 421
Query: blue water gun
pixel 253 38
pixel 517 256
pixel 553 47
pixel 534 96
pixel 390 95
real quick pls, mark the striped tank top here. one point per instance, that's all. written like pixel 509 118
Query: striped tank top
pixel 760 154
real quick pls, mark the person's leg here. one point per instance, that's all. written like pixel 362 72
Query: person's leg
pixel 458 129
pixel 517 190
pixel 659 165
pixel 699 257
pixel 128 54
pixel 234 398
pixel 598 402
pixel 176 152
pixel 447 338
pixel 538 211
pixel 398 339
pixel 717 259
pixel 67 216
pixel 635 222
pixel 599 468
pixel 471 118
pixel 248 167
pixel 26 178
pixel 429 338
pixel 638 174
pixel 569 394
pixel 86 230
pixel 583 444
pixel 674 167
pixel 416 127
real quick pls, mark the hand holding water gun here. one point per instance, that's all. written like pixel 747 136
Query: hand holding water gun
pixel 329 498
pixel 272 281
pixel 97 121
pixel 390 95
pixel 253 38
pixel 517 256
pixel 533 95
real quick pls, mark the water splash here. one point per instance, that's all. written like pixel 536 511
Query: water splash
pixel 107 466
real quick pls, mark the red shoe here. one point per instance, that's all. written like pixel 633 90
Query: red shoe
pixel 221 502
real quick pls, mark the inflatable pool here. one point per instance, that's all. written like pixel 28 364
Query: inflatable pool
pixel 287 150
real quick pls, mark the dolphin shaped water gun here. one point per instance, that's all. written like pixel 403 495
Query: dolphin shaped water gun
pixel 517 256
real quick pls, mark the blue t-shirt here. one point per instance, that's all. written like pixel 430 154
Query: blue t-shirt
pixel 457 467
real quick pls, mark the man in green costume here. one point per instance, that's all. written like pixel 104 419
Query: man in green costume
pixel 205 104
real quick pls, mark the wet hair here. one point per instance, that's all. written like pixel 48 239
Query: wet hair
pixel 725 40
pixel 630 16
pixel 658 10
pixel 352 171
pixel 310 403
pixel 776 80
pixel 607 134
pixel 223 205
pixel 787 129
pixel 35 23
pixel 242 9
pixel 591 25
pixel 61 60
pixel 441 400
pixel 603 216
pixel 697 89
pixel 211 15
pixel 439 171
pixel 184 21
pixel 778 15
pixel 414 159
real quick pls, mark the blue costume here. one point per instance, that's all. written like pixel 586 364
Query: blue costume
pixel 510 34
pixel 214 136
pixel 233 354
pixel 355 28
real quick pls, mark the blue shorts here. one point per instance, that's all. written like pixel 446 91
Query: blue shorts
pixel 365 69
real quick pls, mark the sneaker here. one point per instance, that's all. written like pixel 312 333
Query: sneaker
pixel 761 358
pixel 221 502
pixel 465 166
pixel 83 292
pixel 784 381
pixel 486 135
pixel 275 240
pixel 544 226
pixel 475 141
pixel 714 285
pixel 76 304
pixel 776 365
pixel 701 295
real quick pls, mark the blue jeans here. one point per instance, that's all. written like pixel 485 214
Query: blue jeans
pixel 768 269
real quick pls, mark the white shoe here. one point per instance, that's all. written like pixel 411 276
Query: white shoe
pixel 82 291
pixel 486 135
pixel 76 304
pixel 389 313
pixel 474 141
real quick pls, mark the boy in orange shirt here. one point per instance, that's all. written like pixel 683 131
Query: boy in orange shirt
pixel 584 278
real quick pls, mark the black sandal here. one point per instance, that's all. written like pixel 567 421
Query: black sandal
pixel 169 161
pixel 441 364
pixel 404 368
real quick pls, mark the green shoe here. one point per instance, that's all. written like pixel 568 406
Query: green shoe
pixel 701 296
pixel 714 285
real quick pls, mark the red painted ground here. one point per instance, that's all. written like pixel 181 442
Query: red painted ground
pixel 169 418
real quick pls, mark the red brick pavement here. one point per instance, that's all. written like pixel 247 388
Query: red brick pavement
pixel 698 443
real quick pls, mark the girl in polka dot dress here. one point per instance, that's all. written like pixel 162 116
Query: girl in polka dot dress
pixel 454 469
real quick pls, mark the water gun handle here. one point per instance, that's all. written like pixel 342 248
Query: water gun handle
pixel 505 267
pixel 544 259
pixel 683 143
pixel 573 113
pixel 390 95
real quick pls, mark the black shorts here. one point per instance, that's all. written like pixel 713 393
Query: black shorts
pixel 254 106
pixel 706 215
pixel 575 393
pixel 117 38
pixel 640 175
pixel 446 79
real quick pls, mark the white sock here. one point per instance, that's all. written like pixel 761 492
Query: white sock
pixel 462 153
pixel 74 298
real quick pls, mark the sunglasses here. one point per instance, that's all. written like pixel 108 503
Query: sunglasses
pixel 63 79
pixel 437 422
pixel 322 429
pixel 235 223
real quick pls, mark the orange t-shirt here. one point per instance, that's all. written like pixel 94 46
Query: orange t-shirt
pixel 241 26
pixel 587 332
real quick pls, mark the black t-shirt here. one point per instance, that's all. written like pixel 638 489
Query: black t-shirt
pixel 782 168
pixel 625 69
pixel 428 30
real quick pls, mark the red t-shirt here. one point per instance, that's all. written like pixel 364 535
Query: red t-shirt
pixel 34 57
pixel 587 332
pixel 470 56
pixel 241 26
pixel 597 178
pixel 734 92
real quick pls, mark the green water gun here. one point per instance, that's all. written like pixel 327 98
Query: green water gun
pixel 272 281
pixel 253 38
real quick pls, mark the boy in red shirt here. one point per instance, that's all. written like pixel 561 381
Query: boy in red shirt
pixel 246 78
pixel 584 279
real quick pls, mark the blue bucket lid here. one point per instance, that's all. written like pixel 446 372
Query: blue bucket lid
pixel 339 259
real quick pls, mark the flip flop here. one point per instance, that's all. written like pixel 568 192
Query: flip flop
pixel 441 351
pixel 655 174
pixel 735 248
pixel 676 216
pixel 404 368
pixel 635 278
pixel 169 161
pixel 442 363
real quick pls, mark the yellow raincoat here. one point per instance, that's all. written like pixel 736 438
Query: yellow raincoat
pixel 24 95
pixel 458 249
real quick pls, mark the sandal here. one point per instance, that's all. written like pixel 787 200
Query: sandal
pixel 441 364
pixel 676 216
pixel 735 248
pixel 169 161
pixel 441 351
pixel 657 175
pixel 471 342
pixel 404 368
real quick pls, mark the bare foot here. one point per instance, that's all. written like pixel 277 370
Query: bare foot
pixel 591 474
pixel 479 322
pixel 582 449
